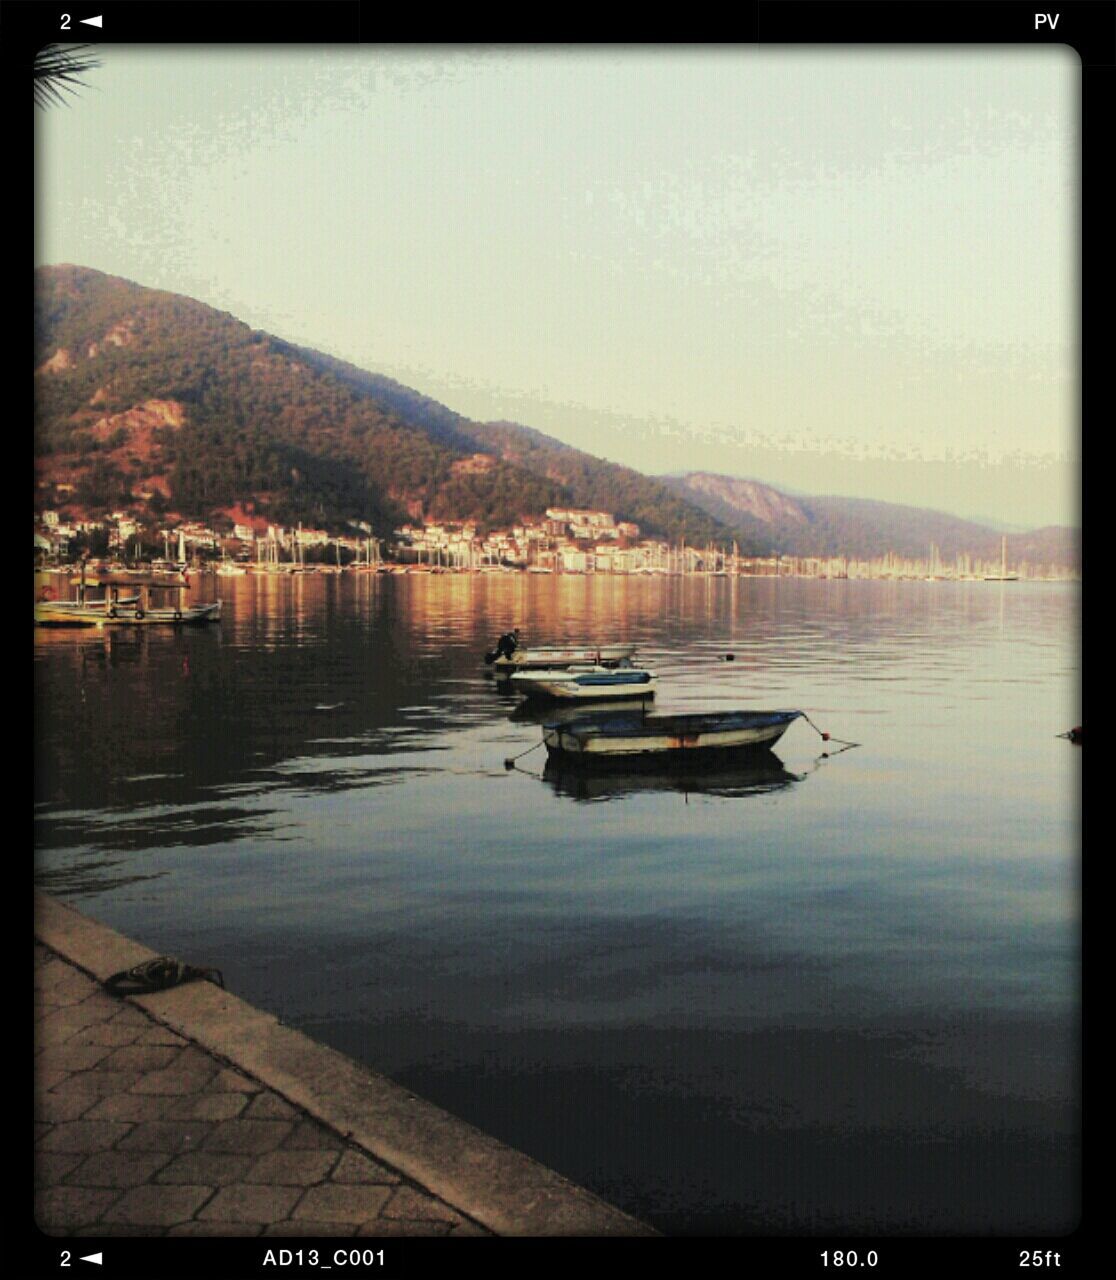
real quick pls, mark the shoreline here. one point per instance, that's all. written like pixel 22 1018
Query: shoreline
pixel 109 1109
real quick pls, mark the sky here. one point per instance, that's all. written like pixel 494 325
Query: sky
pixel 838 271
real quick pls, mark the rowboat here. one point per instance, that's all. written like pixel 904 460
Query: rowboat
pixel 526 659
pixel 667 739
pixel 586 681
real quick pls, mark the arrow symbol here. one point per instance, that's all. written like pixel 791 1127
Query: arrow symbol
pixel 98 1258
pixel 92 22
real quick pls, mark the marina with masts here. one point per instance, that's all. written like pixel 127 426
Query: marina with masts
pixel 566 542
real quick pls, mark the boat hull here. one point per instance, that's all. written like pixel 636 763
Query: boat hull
pixel 125 615
pixel 593 685
pixel 195 615
pixel 667 740
pixel 59 615
pixel 528 659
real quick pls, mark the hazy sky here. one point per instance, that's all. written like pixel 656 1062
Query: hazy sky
pixel 841 271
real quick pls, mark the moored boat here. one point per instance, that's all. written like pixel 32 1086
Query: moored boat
pixel 79 613
pixel 85 610
pixel 117 609
pixel 666 739
pixel 189 615
pixel 562 656
pixel 510 656
pixel 586 681
pixel 1003 575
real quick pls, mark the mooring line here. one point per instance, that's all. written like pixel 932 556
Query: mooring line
pixel 509 763
pixel 828 737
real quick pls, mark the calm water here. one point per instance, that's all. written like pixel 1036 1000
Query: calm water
pixel 839 996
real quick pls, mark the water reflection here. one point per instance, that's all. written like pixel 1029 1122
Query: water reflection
pixel 760 775
pixel 540 713
pixel 691 998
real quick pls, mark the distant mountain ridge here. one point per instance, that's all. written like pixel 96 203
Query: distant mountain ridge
pixel 864 527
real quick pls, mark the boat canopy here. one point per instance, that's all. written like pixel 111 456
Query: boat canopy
pixel 133 580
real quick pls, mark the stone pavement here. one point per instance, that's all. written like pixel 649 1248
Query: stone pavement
pixel 139 1132
pixel 189 1112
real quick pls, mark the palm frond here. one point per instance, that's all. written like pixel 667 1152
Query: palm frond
pixel 58 69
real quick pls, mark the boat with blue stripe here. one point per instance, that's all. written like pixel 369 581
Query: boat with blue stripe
pixel 586 681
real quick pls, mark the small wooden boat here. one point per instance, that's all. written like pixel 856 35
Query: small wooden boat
pixel 562 656
pixel 666 740
pixel 586 681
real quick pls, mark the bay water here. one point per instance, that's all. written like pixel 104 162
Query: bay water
pixel 836 993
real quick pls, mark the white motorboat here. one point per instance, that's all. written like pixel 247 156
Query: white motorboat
pixel 586 681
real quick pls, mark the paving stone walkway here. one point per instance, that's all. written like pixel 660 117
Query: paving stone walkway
pixel 139 1132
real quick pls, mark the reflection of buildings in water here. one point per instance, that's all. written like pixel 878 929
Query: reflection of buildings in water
pixel 264 623
pixel 549 609
pixel 759 775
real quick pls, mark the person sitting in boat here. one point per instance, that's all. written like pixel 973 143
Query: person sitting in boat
pixel 505 646
pixel 507 643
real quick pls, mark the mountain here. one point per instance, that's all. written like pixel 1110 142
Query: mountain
pixel 149 400
pixel 860 527
pixel 153 402
pixel 590 482
pixel 140 392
